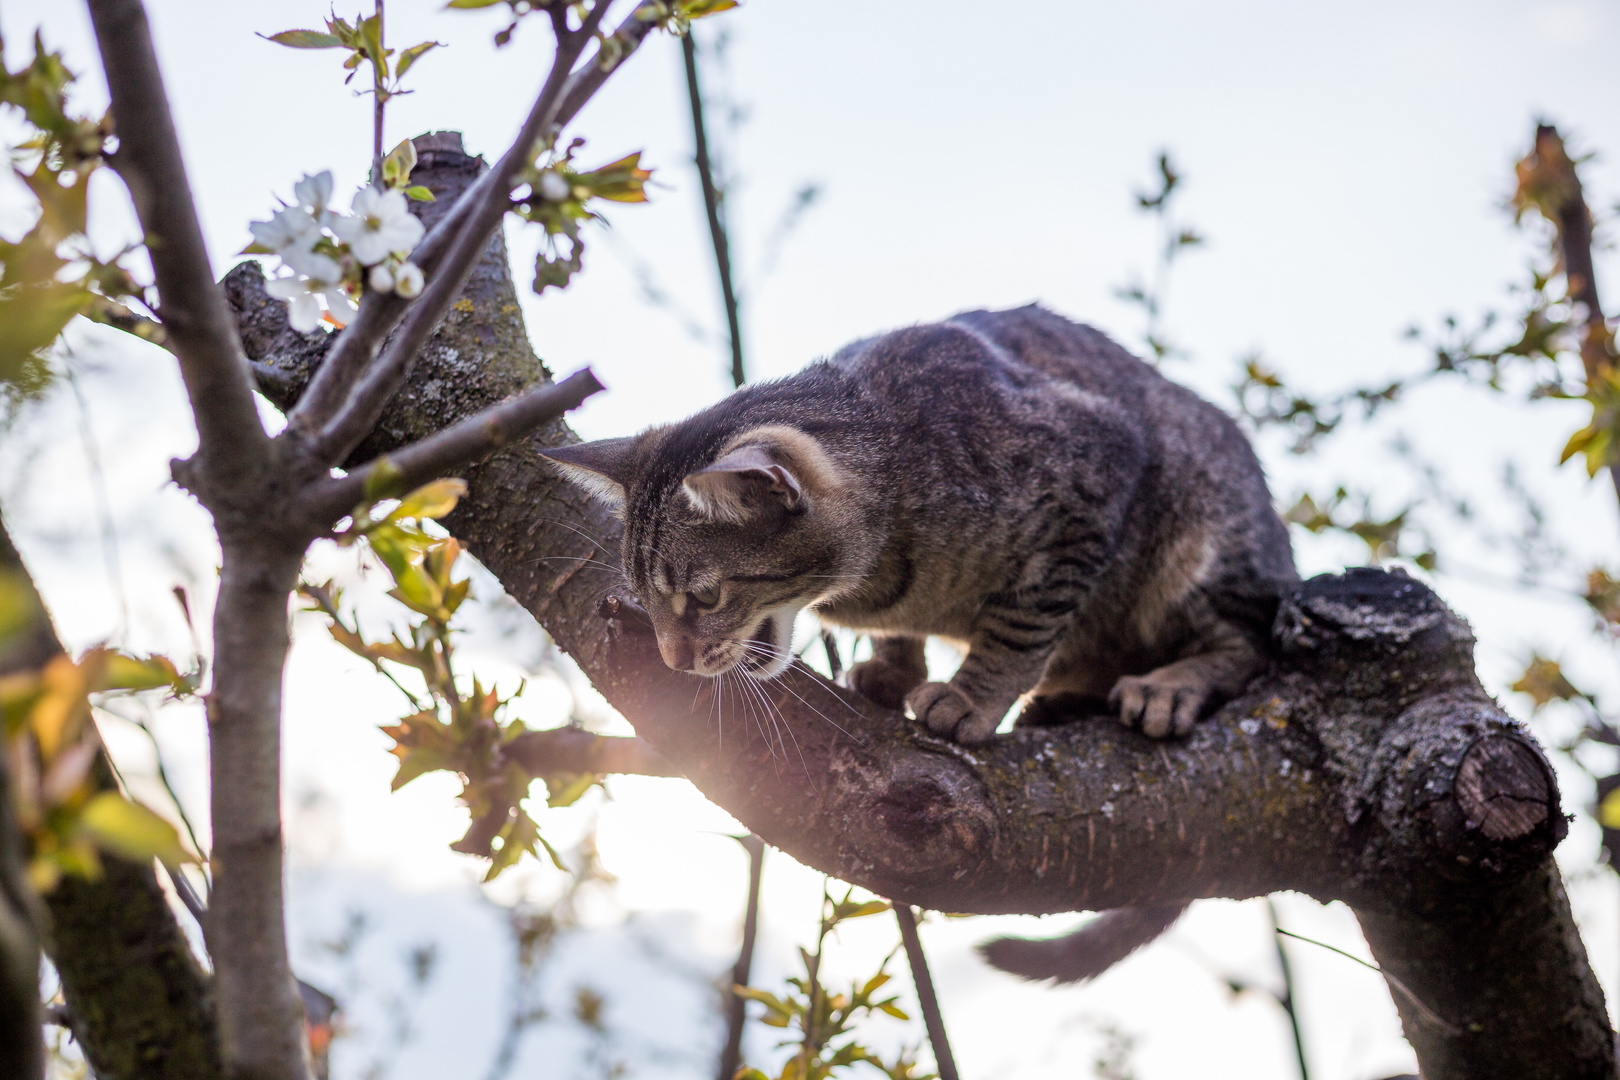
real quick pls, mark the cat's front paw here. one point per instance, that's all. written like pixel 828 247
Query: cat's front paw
pixel 1161 703
pixel 947 711
pixel 883 683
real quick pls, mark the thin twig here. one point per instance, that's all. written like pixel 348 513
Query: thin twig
pixel 835 663
pixel 1573 220
pixel 736 1013
pixel 932 1019
pixel 1286 998
pixel 98 484
pixel 711 206
pixel 1417 1003
pixel 188 897
pixel 378 104
pixel 446 451
pixel 575 750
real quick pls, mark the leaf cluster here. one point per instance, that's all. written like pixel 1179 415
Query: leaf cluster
pixel 52 273
pixel 363 41
pixel 822 1020
pixel 558 197
pixel 455 729
pixel 66 815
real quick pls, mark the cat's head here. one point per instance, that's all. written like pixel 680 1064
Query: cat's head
pixel 726 539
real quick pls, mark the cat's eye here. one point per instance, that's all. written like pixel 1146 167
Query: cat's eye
pixel 708 596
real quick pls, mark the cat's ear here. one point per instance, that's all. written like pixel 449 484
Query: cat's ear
pixel 604 468
pixel 743 484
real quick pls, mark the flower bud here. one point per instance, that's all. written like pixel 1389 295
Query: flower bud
pixel 408 280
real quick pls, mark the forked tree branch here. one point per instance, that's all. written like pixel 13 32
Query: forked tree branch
pixel 380 313
pixel 198 324
pixel 490 200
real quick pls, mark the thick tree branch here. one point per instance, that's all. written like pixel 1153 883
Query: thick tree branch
pixel 575 750
pixel 1367 766
pixel 197 323
pixel 463 443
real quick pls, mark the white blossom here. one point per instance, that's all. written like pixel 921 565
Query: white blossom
pixel 313 193
pixel 303 294
pixel 381 278
pixel 292 229
pixel 553 188
pixel 408 280
pixel 380 226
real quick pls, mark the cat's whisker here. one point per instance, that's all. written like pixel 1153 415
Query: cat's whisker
pixel 752 646
pixel 586 559
pixel 575 529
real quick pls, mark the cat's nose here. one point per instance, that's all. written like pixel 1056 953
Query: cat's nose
pixel 676 651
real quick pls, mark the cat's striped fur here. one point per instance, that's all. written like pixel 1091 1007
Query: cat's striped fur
pixel 1011 481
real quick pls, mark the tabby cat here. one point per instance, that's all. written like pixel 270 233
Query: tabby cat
pixel 1010 481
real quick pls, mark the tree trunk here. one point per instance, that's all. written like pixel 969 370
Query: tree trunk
pixel 139 1000
pixel 1367 765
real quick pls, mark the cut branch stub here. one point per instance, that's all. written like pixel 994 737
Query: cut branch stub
pixel 1503 788
pixel 1377 633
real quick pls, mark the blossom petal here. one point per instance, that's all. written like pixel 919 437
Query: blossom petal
pixel 313 264
pixel 304 312
pixel 314 191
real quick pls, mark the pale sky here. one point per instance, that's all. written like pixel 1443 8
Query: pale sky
pixel 1348 166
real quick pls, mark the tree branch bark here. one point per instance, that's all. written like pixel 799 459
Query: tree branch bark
pixel 196 322
pixel 1368 765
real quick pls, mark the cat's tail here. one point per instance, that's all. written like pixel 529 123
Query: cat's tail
pixel 1089 951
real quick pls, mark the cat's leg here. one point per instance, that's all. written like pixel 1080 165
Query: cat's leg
pixel 1007 650
pixel 1169 700
pixel 897 666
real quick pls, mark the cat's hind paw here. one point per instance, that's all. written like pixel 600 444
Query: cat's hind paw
pixel 1162 703
pixel 947 711
pixel 883 683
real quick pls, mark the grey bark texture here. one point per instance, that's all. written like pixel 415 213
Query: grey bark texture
pixel 1367 765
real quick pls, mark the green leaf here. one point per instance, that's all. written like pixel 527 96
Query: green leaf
pixel 698 9
pixel 417 591
pixel 419 193
pixel 466 5
pixel 398 164
pixel 433 500
pixel 130 830
pixel 566 789
pixel 305 39
pixel 1608 812
pixel 411 55
pixel 848 909
pixel 383 480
